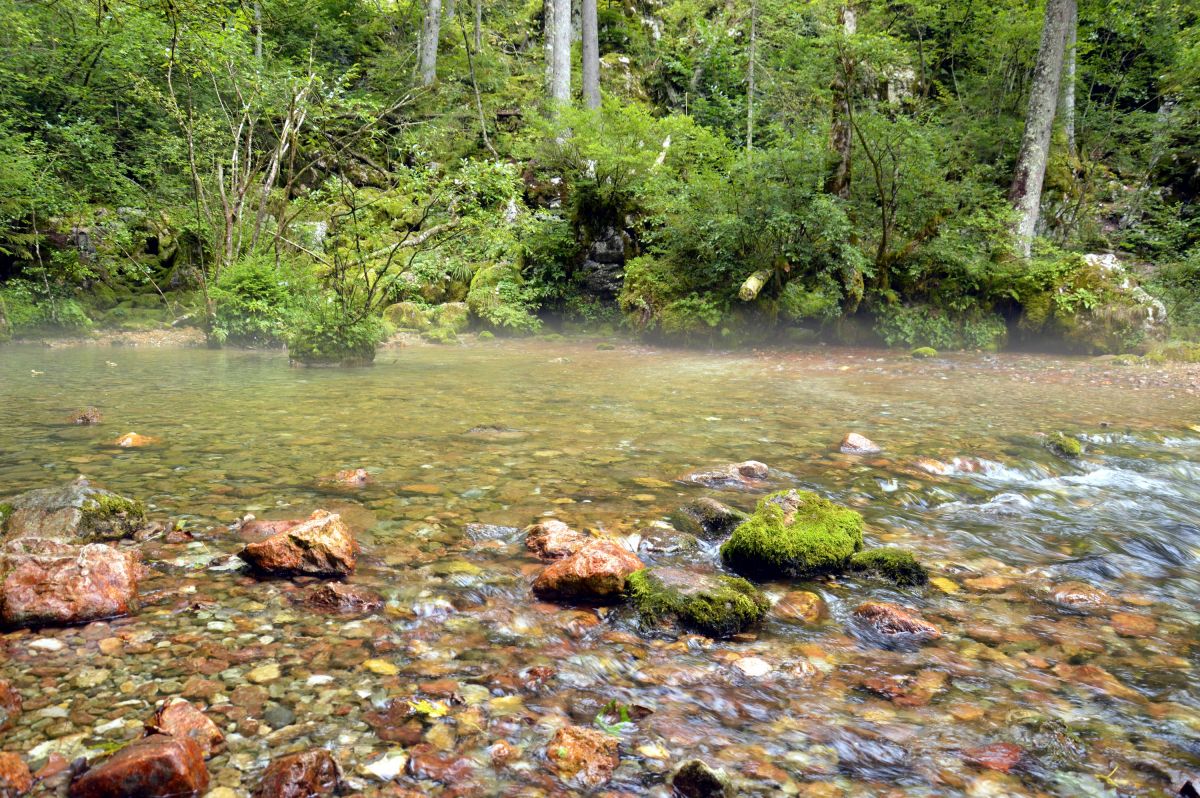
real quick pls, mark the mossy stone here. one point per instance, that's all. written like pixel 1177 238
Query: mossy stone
pixel 707 518
pixel 107 516
pixel 896 565
pixel 454 316
pixel 794 534
pixel 924 352
pixel 407 316
pixel 605 346
pixel 718 606
pixel 1064 445
pixel 440 335
pixel 487 335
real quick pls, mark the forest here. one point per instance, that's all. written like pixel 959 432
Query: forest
pixel 322 173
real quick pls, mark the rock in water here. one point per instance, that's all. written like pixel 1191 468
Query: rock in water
pixel 158 766
pixel 596 573
pixel 854 443
pixel 10 705
pixel 892 620
pixel 707 518
pixel 695 779
pixel 131 440
pixel 586 757
pixel 895 564
pixel 321 546
pixel 794 534
pixel 348 599
pixel 73 513
pixel 86 417
pixel 47 582
pixel 552 539
pixel 15 778
pixel 180 718
pixel 718 606
pixel 307 774
pixel 747 475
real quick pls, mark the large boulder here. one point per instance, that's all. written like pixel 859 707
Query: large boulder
pixel 75 512
pixel 583 757
pixel 595 573
pixel 552 539
pixel 707 518
pixel 158 766
pixel 453 316
pixel 794 534
pixel 45 582
pixel 321 546
pixel 407 316
pixel 306 774
pixel 718 606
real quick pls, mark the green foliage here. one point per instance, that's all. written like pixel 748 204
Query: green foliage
pixel 923 326
pixel 29 308
pixel 326 335
pixel 258 302
pixel 498 297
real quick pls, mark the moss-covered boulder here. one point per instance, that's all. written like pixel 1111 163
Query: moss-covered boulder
pixel 707 518
pixel 1064 445
pixel 75 512
pixel 718 606
pixel 407 316
pixel 452 316
pixel 794 534
pixel 924 352
pixel 896 565
pixel 440 335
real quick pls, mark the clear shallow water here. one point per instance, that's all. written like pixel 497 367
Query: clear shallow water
pixel 600 438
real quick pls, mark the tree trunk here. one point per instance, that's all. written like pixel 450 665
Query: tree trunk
pixel 591 55
pixel 1068 89
pixel 478 25
pixel 1026 191
pixel 750 75
pixel 548 7
pixel 258 37
pixel 449 8
pixel 840 133
pixel 560 88
pixel 430 32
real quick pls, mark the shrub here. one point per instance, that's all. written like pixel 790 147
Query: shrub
pixel 26 307
pixel 327 335
pixel 499 298
pixel 257 303
pixel 925 326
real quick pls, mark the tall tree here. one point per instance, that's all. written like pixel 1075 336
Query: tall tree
pixel 430 31
pixel 841 142
pixel 560 84
pixel 1026 190
pixel 1068 88
pixel 750 74
pixel 591 55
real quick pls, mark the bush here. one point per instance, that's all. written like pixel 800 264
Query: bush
pixel 925 326
pixel 326 335
pixel 25 307
pixel 257 303
pixel 499 298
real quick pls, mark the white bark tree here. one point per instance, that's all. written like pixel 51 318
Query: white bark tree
pixel 560 83
pixel 1026 190
pixel 1068 89
pixel 591 55
pixel 431 29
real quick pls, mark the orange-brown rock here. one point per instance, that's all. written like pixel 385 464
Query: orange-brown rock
pixel 321 546
pixel 349 478
pixel 180 718
pixel 47 582
pixel 131 440
pixel 801 606
pixel 307 774
pixel 595 573
pixel 10 705
pixel 15 778
pixel 343 598
pixel 586 757
pixel 748 474
pixel 854 443
pixel 1001 757
pixel 158 766
pixel 1080 595
pixel 86 416
pixel 552 539
pixel 1129 624
pixel 893 620
pixel 257 529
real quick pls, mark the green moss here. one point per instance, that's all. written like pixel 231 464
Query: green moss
pixel 407 316
pixel 454 316
pixel 924 352
pixel 1177 352
pixel 895 564
pixel 1064 445
pixel 794 534
pixel 605 346
pixel 718 606
pixel 107 515
pixel 487 335
pixel 5 511
pixel 440 335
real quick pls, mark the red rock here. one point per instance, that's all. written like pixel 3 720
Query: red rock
pixel 46 582
pixel 343 598
pixel 501 752
pixel 892 619
pixel 321 546
pixel 395 722
pixel 56 763
pixel 854 443
pixel 308 774
pixel 552 539
pixel 997 756
pixel 747 474
pixel 180 718
pixel 1128 624
pixel 1080 595
pixel 15 778
pixel 87 416
pixel 256 530
pixel 153 767
pixel 350 478
pixel 597 572
pixel 131 440
pixel 426 763
pixel 587 757
pixel 10 705
pixel 178 535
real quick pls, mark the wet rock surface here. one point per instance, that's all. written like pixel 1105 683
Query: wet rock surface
pixel 306 774
pixel 747 475
pixel 581 756
pixel 158 766
pixel 320 546
pixel 51 583
pixel 342 598
pixel 180 718
pixel 76 513
pixel 597 572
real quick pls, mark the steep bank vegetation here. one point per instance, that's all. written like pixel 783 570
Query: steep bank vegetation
pixel 913 173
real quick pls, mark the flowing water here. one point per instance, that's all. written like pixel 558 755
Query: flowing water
pixel 1101 699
